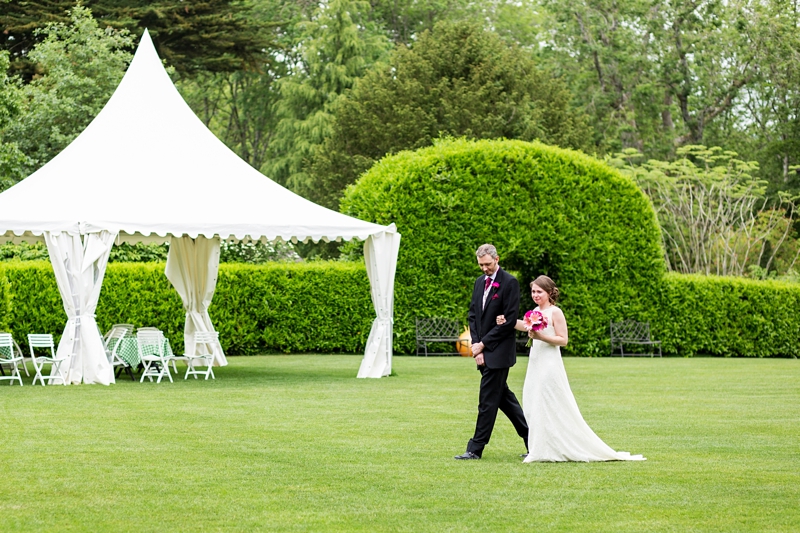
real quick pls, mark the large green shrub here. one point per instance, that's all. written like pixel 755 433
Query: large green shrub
pixel 548 210
pixel 275 307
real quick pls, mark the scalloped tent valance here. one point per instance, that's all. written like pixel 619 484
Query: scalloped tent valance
pixel 147 169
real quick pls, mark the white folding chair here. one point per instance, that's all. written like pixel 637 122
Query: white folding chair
pixel 20 354
pixel 170 359
pixel 207 339
pixel 150 343
pixel 44 341
pixel 113 343
pixel 10 357
pixel 127 328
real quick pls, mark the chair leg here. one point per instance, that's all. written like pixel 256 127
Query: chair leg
pixel 38 370
pixel 56 374
pixel 15 373
pixel 145 370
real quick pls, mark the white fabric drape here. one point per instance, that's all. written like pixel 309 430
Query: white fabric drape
pixel 380 255
pixel 192 268
pixel 79 266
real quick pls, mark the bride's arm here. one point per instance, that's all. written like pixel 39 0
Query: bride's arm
pixel 519 326
pixel 560 336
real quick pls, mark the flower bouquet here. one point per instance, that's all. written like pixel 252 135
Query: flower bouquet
pixel 534 321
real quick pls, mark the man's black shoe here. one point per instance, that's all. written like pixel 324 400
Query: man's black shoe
pixel 467 455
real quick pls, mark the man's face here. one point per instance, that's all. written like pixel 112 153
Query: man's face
pixel 488 264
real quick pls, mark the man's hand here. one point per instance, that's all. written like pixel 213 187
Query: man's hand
pixel 477 348
pixel 479 359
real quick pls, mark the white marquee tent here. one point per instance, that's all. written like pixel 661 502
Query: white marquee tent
pixel 147 169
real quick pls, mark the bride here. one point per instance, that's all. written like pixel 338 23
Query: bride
pixel 557 429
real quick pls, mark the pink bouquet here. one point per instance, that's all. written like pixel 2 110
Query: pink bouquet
pixel 534 321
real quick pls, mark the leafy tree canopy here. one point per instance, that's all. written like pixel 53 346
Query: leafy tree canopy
pixel 80 65
pixel 457 80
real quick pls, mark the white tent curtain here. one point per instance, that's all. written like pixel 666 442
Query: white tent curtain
pixel 380 255
pixel 192 268
pixel 79 266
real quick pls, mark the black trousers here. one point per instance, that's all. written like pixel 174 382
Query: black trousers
pixel 495 395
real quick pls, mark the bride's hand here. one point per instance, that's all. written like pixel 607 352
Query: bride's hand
pixel 501 319
pixel 535 335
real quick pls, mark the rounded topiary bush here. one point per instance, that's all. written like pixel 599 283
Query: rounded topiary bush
pixel 548 210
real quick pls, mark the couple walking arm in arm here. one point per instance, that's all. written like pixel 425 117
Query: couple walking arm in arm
pixel 557 429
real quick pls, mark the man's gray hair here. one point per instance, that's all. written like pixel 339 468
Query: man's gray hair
pixel 486 249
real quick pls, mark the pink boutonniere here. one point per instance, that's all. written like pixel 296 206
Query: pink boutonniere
pixel 495 285
pixel 495 297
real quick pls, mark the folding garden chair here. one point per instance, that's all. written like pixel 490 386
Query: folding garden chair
pixel 10 357
pixel 113 343
pixel 207 340
pixel 170 358
pixel 20 354
pixel 127 328
pixel 44 341
pixel 150 343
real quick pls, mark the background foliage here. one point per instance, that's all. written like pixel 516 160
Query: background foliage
pixel 457 80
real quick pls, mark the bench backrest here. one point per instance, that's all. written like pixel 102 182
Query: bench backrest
pixel 437 327
pixel 630 330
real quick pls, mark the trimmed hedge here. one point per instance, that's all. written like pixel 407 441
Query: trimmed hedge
pixel 270 308
pixel 727 316
pixel 326 307
pixel 548 210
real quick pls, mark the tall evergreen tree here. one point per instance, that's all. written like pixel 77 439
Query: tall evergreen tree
pixel 339 45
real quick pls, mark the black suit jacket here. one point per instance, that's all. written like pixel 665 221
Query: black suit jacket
pixel 500 349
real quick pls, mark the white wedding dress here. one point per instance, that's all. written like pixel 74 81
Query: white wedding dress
pixel 557 429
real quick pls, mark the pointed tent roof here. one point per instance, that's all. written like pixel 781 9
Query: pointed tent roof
pixel 148 167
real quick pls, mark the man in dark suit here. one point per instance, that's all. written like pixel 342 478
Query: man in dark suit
pixel 494 349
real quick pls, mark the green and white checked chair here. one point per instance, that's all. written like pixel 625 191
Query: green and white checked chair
pixel 155 361
pixel 10 357
pixel 113 342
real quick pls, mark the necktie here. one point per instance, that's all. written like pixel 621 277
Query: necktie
pixel 486 289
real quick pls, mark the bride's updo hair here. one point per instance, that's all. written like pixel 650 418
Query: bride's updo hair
pixel 548 286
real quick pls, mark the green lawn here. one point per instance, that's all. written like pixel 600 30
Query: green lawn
pixel 297 443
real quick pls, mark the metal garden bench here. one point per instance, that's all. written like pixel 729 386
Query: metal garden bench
pixel 631 332
pixel 436 331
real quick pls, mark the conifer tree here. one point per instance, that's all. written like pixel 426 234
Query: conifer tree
pixel 338 47
pixel 212 35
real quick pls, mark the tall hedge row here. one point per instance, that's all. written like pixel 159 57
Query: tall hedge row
pixel 325 307
pixel 548 211
pixel 271 308
pixel 727 316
